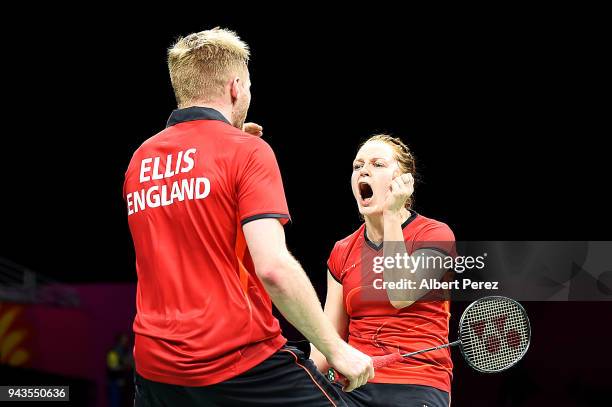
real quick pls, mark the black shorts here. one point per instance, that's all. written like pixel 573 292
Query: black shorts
pixel 392 395
pixel 286 378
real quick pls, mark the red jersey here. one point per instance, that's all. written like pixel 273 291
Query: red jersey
pixel 376 328
pixel 203 316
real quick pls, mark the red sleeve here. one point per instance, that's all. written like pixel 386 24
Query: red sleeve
pixel 334 263
pixel 260 186
pixel 436 236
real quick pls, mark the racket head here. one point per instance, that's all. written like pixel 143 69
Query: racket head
pixel 495 334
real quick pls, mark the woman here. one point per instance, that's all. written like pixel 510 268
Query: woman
pixel 379 321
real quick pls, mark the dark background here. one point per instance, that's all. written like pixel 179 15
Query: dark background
pixel 505 118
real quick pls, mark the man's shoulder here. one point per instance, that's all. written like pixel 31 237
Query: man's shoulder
pixel 207 129
pixel 248 142
pixel 152 142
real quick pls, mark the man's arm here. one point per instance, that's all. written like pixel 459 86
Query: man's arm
pixel 335 312
pixel 293 294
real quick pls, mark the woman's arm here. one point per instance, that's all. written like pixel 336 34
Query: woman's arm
pixel 394 246
pixel 334 310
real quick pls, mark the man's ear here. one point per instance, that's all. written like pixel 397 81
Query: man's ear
pixel 235 88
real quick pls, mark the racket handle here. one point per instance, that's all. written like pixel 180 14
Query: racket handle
pixel 377 361
pixel 382 361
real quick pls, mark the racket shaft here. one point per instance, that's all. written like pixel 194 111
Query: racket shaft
pixel 446 345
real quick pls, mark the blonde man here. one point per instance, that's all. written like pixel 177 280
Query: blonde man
pixel 206 206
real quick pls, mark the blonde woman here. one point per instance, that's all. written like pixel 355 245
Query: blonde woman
pixel 373 318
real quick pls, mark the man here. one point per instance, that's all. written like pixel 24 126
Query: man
pixel 205 208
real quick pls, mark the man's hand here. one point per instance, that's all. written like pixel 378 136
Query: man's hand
pixel 253 129
pixel 400 190
pixel 354 365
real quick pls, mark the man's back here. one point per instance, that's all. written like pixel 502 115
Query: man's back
pixel 202 314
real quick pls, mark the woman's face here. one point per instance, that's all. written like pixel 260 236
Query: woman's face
pixel 374 167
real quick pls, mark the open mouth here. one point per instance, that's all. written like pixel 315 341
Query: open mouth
pixel 365 191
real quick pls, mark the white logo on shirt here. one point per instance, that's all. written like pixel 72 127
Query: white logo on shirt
pixel 167 194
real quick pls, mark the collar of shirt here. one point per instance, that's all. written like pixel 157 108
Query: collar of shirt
pixel 194 113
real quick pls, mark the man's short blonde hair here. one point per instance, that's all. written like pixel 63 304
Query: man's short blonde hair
pixel 201 63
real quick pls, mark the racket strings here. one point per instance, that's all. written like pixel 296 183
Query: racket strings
pixel 494 334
